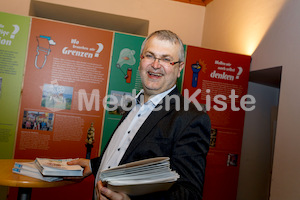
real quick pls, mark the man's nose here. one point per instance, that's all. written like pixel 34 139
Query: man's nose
pixel 156 63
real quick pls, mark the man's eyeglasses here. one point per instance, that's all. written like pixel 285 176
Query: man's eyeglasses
pixel 163 61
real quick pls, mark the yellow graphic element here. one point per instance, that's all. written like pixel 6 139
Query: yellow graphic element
pixel 202 65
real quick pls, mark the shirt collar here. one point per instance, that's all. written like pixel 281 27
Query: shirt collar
pixel 155 99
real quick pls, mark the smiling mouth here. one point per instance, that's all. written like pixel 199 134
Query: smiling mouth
pixel 155 74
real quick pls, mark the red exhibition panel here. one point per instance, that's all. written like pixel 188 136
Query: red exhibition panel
pixel 61 111
pixel 218 81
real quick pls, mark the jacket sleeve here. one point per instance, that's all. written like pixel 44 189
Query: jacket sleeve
pixel 95 164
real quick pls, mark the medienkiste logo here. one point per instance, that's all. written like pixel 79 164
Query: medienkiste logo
pixel 126 102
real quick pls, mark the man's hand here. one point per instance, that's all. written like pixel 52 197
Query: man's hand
pixel 85 163
pixel 104 193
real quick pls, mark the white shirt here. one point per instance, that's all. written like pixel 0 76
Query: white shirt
pixel 127 130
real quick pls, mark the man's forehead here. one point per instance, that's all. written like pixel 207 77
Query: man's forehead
pixel 166 46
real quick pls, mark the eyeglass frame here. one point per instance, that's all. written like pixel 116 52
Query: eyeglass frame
pixel 159 59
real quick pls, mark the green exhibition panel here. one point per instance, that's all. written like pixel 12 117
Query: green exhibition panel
pixel 13 48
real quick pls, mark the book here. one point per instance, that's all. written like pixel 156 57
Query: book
pixel 30 169
pixel 57 167
pixel 140 177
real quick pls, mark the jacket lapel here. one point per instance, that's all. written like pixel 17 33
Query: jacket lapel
pixel 149 123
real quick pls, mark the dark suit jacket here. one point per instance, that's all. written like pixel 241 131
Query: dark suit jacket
pixel 183 136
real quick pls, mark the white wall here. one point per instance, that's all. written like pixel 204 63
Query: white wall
pixel 186 20
pixel 19 7
pixel 238 26
pixel 279 46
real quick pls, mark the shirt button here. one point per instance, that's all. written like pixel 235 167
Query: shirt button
pixel 108 167
pixel 139 115
pixel 119 149
pixel 128 132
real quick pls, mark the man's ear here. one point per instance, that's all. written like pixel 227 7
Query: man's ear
pixel 181 66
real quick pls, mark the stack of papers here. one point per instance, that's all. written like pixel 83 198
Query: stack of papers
pixel 47 169
pixel 57 167
pixel 30 169
pixel 141 177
